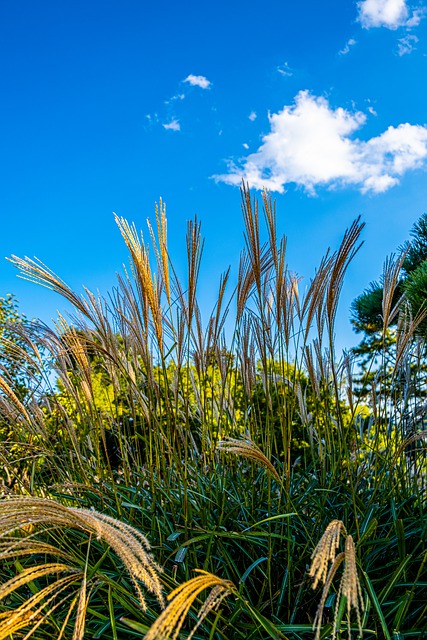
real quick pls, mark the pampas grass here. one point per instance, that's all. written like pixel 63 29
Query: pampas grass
pixel 169 623
pixel 22 516
pixel 237 444
pixel 349 588
pixel 248 449
pixel 325 552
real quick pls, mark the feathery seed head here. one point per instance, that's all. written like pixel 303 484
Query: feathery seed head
pixel 170 621
pixel 131 546
pixel 350 585
pixel 248 449
pixel 325 552
pixel 350 588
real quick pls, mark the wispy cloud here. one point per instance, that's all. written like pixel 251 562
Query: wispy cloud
pixel 416 17
pixel 170 119
pixel 346 49
pixel 406 45
pixel 198 81
pixel 252 116
pixel 178 96
pixel 285 70
pixel 310 144
pixel 391 14
pixel 173 125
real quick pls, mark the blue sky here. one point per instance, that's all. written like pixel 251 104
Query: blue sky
pixel 108 106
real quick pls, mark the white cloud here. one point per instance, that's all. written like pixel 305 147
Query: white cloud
pixel 346 49
pixel 417 16
pixel 406 45
pixel 310 144
pixel 285 70
pixel 198 81
pixel 173 125
pixel 245 145
pixel 391 14
pixel 178 96
pixel 252 116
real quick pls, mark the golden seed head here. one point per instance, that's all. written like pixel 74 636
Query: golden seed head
pixel 170 621
pixel 248 449
pixel 325 552
pixel 130 545
pixel 350 588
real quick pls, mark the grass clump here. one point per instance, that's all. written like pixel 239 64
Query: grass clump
pixel 134 433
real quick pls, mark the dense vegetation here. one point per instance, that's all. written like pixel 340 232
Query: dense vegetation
pixel 180 477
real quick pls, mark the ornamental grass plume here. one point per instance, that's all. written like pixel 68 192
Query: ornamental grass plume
pixel 350 585
pixel 13 398
pixel 324 553
pixel 248 449
pixel 170 621
pixel 147 284
pixel 421 435
pixel 38 273
pixel 23 516
pixel 36 609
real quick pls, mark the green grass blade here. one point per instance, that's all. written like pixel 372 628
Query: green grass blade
pixel 252 566
pixel 377 606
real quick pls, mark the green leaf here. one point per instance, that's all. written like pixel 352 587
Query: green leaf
pixel 180 554
pixel 111 612
pixel 174 536
pixel 281 515
pixel 133 624
pixel 251 567
pixel 268 626
pixel 395 577
pixel 368 529
pixel 376 605
pixel 403 607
